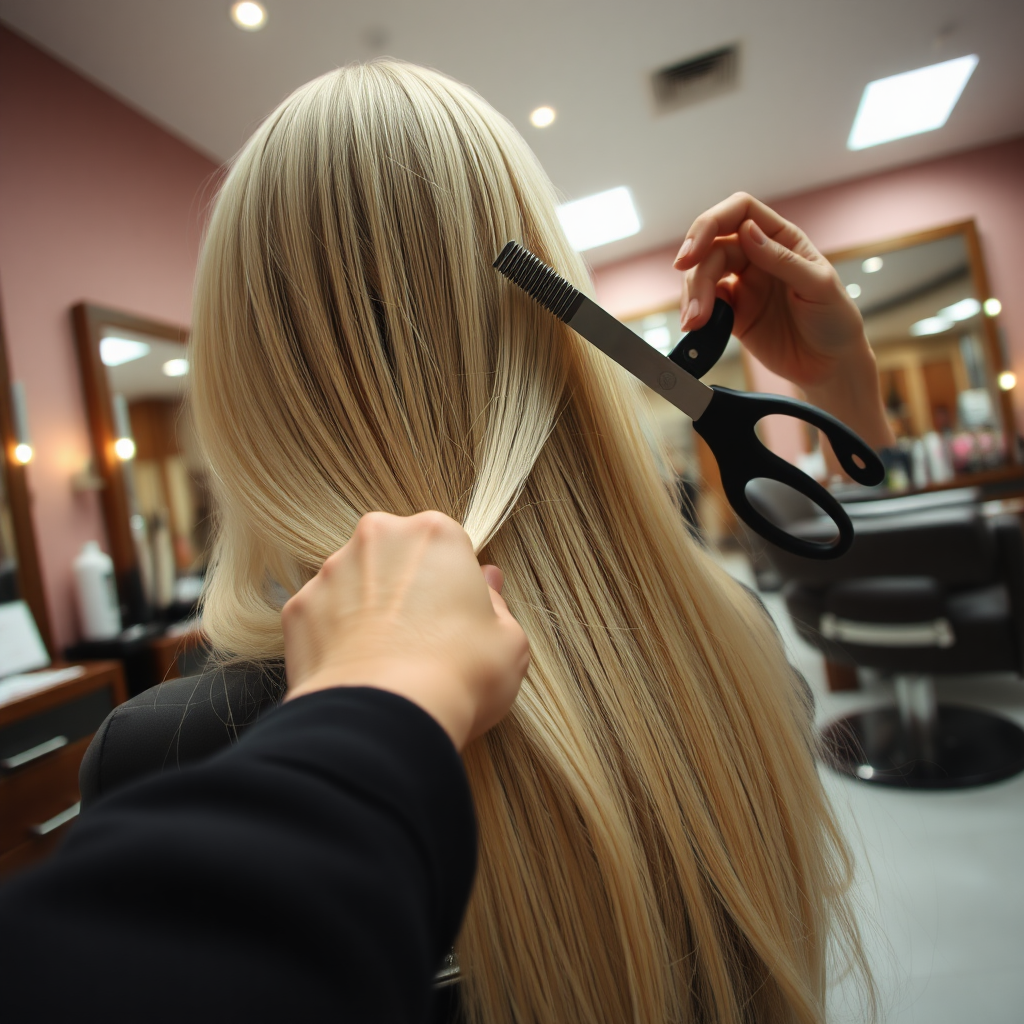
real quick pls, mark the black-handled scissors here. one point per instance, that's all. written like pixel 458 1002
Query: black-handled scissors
pixel 725 419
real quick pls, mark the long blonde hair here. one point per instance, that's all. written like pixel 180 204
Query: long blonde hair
pixel 655 844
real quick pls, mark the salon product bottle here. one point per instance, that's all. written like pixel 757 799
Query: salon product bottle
pixel 163 560
pixel 98 609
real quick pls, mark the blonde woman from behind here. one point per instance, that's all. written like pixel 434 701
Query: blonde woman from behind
pixel 655 844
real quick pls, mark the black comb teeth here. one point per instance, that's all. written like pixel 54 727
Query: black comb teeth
pixel 538 280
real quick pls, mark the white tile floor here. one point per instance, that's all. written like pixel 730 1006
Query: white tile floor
pixel 940 874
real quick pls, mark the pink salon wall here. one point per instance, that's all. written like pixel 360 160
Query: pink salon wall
pixel 97 204
pixel 986 184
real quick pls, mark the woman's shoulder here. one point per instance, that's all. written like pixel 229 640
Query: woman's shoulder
pixel 177 722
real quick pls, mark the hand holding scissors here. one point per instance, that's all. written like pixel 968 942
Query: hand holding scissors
pixel 791 310
pixel 725 419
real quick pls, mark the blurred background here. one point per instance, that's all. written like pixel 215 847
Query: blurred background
pixel 892 133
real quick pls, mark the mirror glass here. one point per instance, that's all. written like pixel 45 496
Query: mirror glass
pixel 165 479
pixel 926 323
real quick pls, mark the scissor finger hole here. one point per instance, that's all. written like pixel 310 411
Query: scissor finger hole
pixel 791 510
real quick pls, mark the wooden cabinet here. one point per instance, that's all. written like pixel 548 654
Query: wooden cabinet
pixel 43 738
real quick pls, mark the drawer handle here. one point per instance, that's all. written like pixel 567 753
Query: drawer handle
pixel 57 820
pixel 17 760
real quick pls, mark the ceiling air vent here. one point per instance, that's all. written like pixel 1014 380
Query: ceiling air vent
pixel 696 79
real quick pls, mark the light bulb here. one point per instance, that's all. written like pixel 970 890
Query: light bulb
pixel 1007 380
pixel 125 448
pixel 248 15
pixel 542 117
pixel 23 453
pixel 992 307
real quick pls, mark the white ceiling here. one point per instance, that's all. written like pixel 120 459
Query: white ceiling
pixel 803 65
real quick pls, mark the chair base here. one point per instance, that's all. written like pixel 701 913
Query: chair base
pixel 968 747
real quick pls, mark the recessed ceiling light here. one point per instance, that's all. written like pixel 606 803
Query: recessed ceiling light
pixel 992 307
pixel 175 368
pixel 872 265
pixel 248 15
pixel 962 310
pixel 930 325
pixel 115 351
pixel 909 103
pixel 542 117
pixel 853 290
pixel 599 218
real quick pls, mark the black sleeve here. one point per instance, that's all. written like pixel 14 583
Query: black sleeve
pixel 316 870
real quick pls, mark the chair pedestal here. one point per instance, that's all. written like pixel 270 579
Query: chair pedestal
pixel 920 745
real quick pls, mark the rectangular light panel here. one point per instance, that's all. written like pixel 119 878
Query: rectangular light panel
pixel 909 103
pixel 599 218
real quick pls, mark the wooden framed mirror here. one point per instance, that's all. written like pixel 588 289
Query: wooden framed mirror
pixel 19 560
pixel 931 320
pixel 155 496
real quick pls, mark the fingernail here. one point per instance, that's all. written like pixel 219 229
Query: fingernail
pixel 687 246
pixel 692 310
pixel 757 234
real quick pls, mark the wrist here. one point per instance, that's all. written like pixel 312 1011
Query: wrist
pixel 435 690
pixel 853 395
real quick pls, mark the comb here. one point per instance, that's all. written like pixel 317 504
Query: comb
pixel 539 281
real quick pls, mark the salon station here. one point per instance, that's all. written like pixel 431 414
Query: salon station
pixel 891 135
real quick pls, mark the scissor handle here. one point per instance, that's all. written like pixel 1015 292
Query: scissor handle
pixel 727 424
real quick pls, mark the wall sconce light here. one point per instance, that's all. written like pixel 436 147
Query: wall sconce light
pixel 23 451
pixel 125 443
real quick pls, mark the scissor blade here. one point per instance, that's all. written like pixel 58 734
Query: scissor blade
pixel 647 364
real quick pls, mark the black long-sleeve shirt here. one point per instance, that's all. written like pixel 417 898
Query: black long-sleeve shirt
pixel 318 869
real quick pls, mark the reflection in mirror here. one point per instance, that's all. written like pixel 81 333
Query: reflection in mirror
pixel 165 482
pixel 8 549
pixel 938 360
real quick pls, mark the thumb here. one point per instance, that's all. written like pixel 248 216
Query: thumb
pixel 802 275
pixel 494 577
pixel 495 580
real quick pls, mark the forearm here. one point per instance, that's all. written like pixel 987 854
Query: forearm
pixel 319 867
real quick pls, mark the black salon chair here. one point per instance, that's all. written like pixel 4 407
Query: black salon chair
pixel 933 585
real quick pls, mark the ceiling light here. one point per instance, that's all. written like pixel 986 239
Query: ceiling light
pixel 115 351
pixel 542 117
pixel 872 265
pixel 23 452
pixel 600 218
pixel 992 307
pixel 931 325
pixel 962 310
pixel 909 103
pixel 175 368
pixel 248 15
pixel 1007 380
pixel 853 290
